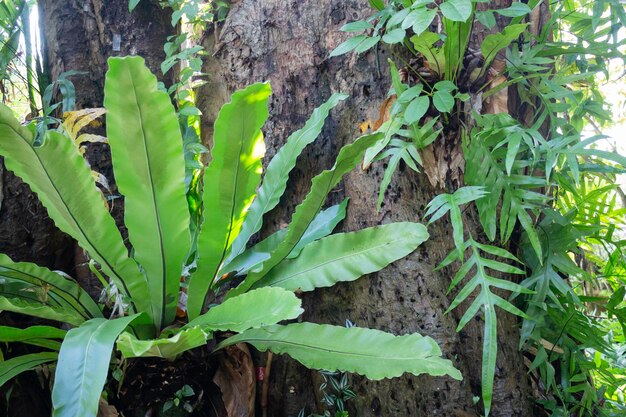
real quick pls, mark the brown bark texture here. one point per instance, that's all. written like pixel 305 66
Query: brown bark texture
pixel 81 35
pixel 288 42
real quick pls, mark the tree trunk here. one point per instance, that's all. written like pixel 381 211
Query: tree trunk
pixel 82 35
pixel 288 43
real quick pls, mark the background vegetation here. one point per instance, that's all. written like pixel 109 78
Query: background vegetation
pixel 542 178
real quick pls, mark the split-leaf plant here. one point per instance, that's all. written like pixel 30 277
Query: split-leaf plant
pixel 546 193
pixel 147 154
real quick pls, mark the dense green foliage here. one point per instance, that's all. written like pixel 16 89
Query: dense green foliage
pixel 543 183
pixel 542 180
pixel 148 159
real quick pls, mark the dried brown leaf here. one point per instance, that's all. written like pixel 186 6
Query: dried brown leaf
pixel 106 410
pixel 430 164
pixel 499 102
pixel 457 164
pixel 236 379
pixel 385 112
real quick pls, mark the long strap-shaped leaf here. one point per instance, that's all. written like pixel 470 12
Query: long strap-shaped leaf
pixel 277 173
pixel 322 184
pixel 322 225
pixel 83 366
pixel 256 308
pixel 34 307
pixel 63 183
pixel 11 368
pixel 33 335
pixel 346 256
pixel 147 151
pixel 66 293
pixel 368 352
pixel 230 183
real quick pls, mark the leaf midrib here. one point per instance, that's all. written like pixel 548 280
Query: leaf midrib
pixel 82 379
pixel 232 214
pixel 338 259
pixel 275 189
pixel 52 285
pixel 40 360
pixel 156 210
pixel 271 342
pixel 76 223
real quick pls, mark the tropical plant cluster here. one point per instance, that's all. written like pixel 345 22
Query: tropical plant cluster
pixel 544 180
pixel 227 286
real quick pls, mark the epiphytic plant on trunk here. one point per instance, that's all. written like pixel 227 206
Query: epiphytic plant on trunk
pixel 147 153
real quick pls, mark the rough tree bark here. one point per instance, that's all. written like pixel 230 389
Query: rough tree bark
pixel 288 42
pixel 82 35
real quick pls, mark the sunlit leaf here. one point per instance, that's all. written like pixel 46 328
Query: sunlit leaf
pixel 346 256
pixel 230 184
pixel 456 10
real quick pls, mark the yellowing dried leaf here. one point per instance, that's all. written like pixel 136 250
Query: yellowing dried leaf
pixel 499 102
pixel 106 410
pixel 385 111
pixel 75 121
pixel 430 164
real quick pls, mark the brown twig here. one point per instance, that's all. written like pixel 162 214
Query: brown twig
pixel 266 383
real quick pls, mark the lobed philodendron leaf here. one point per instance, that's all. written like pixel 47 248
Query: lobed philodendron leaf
pixel 444 203
pixel 481 285
pixel 11 368
pixel 257 308
pixel 368 352
pixel 72 200
pixel 168 348
pixel 322 184
pixel 39 285
pixel 346 256
pixel 277 173
pixel 230 184
pixel 147 153
pixel 83 366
